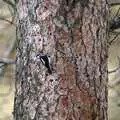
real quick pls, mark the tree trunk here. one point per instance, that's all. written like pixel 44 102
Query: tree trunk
pixel 73 34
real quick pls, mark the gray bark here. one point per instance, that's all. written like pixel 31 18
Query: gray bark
pixel 73 34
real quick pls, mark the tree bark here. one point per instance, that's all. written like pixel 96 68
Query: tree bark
pixel 73 34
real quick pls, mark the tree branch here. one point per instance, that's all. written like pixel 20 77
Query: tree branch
pixel 11 22
pixel 10 3
pixel 114 38
pixel 7 61
pixel 116 69
pixel 113 4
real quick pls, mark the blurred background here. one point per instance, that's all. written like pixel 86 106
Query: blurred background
pixel 7 57
pixel 7 60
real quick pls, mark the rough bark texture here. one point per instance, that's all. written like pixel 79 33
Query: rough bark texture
pixel 73 34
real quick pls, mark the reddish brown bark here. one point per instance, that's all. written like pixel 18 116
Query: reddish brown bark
pixel 73 34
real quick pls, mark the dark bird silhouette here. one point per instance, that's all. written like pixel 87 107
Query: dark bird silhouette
pixel 46 62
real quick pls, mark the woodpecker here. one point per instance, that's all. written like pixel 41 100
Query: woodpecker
pixel 45 61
